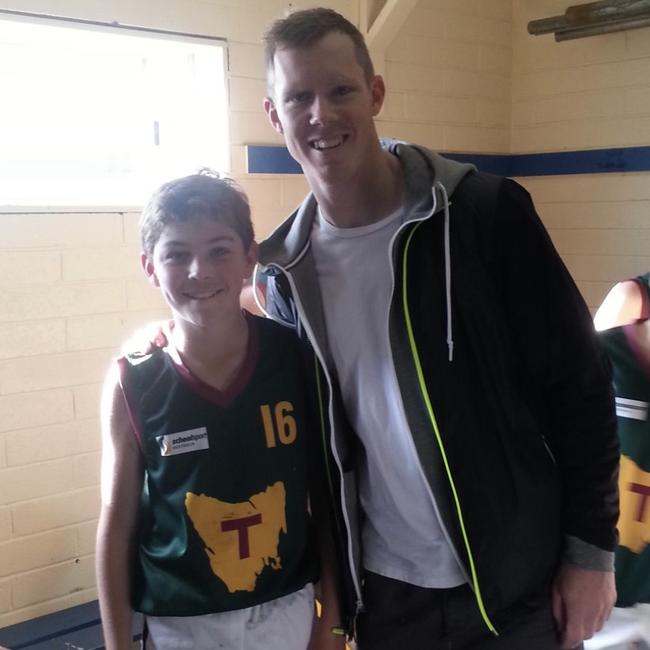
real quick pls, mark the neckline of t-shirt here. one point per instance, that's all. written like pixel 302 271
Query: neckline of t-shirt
pixel 356 231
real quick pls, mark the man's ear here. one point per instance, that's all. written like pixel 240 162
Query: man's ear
pixel 378 93
pixel 272 114
pixel 148 268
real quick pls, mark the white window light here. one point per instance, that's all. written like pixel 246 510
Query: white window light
pixel 95 116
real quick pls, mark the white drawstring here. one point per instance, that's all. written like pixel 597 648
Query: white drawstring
pixel 447 247
pixel 450 338
pixel 258 302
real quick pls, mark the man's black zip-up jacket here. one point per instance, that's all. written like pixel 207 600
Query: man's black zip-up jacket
pixel 517 432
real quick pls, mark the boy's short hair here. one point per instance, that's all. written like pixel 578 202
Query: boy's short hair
pixel 200 195
pixel 303 28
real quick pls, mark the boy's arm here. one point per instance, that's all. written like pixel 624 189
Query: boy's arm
pixel 121 483
pixel 622 305
pixel 327 633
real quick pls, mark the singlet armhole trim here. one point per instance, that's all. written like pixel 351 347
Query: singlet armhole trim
pixel 644 299
pixel 126 388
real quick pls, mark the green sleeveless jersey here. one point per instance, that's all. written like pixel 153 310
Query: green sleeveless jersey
pixel 632 386
pixel 223 519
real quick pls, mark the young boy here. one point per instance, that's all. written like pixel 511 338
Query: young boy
pixel 204 524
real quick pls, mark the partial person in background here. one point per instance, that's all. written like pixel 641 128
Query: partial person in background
pixel 623 322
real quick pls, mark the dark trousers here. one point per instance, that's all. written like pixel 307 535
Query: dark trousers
pixel 400 616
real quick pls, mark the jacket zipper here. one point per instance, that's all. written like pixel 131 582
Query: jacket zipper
pixel 422 473
pixel 319 356
pixel 425 394
pixel 358 604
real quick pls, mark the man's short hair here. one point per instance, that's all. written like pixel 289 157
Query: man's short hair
pixel 200 196
pixel 301 29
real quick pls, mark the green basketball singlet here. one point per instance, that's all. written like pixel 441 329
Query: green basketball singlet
pixel 223 516
pixel 631 365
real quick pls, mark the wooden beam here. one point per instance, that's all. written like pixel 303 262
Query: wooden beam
pixel 364 16
pixel 387 24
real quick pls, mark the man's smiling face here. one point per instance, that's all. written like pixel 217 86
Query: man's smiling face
pixel 324 106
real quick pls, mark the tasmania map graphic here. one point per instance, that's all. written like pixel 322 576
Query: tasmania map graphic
pixel 634 521
pixel 240 539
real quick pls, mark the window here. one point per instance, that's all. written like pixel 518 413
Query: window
pixel 101 116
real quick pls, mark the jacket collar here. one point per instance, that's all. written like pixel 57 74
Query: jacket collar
pixel 422 169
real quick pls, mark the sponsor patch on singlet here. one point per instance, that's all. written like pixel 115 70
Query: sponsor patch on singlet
pixel 183 442
pixel 631 408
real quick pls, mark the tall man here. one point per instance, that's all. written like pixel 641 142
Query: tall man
pixel 466 408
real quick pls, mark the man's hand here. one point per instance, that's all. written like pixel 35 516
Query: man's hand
pixel 582 601
pixel 146 339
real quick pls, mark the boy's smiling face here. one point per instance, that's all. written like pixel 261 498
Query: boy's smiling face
pixel 200 266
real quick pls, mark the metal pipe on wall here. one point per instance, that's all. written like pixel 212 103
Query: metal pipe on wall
pixel 594 18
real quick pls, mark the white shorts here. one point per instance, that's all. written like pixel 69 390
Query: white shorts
pixel 627 627
pixel 281 624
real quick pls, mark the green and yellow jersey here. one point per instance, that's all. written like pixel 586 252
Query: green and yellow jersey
pixel 224 509
pixel 631 366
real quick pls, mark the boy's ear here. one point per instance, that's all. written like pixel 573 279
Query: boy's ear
pixel 148 268
pixel 272 114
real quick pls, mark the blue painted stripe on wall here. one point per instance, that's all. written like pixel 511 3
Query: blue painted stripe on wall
pixel 265 159
pixel 492 163
pixel 271 159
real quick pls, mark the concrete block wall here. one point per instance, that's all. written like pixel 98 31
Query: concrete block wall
pixel 585 94
pixel 448 74
pixel 600 224
pixel 582 94
pixel 272 196
pixel 70 293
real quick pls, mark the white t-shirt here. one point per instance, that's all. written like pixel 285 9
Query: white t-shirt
pixel 402 535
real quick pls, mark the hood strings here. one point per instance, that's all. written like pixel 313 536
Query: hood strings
pixel 447 246
pixel 256 297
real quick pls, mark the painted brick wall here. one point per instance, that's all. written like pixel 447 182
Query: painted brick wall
pixel 70 292
pixel 599 223
pixel 448 74
pixel 582 94
pixel 585 94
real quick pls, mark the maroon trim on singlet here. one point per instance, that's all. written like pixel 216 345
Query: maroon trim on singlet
pixel 644 298
pixel 225 397
pixel 640 354
pixel 125 385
